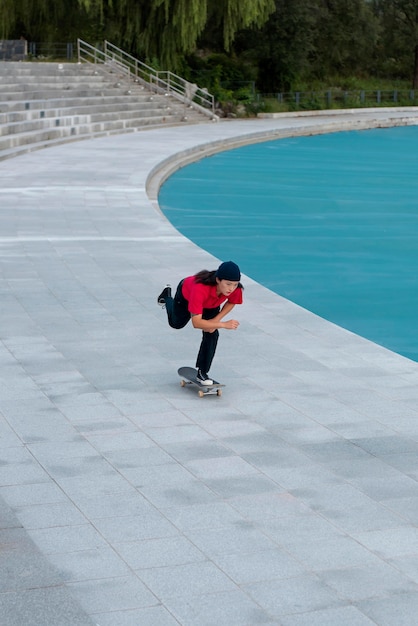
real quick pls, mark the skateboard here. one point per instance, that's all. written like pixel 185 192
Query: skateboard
pixel 188 377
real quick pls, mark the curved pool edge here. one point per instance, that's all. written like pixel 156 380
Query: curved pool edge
pixel 288 125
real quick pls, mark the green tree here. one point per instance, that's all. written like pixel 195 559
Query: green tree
pixel 283 46
pixel 399 39
pixel 345 37
pixel 169 29
pixel 162 29
pixel 304 40
pixel 44 20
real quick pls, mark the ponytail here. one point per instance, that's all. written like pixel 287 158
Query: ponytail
pixel 205 277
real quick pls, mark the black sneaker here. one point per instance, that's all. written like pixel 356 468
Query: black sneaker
pixel 166 293
pixel 203 378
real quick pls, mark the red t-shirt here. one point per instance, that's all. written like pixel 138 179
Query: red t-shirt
pixel 200 296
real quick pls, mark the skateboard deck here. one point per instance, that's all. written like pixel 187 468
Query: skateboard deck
pixel 188 377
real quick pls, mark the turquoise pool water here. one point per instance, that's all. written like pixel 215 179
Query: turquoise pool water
pixel 329 222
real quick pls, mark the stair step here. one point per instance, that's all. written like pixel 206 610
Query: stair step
pixel 121 117
pixel 67 102
pixel 27 83
pixel 33 146
pixel 38 145
pixel 86 128
pixel 110 110
pixel 31 68
pixel 46 94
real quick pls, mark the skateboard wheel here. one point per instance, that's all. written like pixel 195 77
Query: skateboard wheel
pixel 219 392
pixel 201 394
pixel 182 383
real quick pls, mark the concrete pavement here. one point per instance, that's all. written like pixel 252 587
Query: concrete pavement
pixel 127 500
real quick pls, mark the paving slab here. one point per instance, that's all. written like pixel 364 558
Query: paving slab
pixel 128 500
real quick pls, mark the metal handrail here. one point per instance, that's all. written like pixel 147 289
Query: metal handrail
pixel 158 81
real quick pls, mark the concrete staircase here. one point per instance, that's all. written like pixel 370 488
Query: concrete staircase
pixel 43 104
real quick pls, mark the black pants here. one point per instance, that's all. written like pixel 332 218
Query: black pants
pixel 178 316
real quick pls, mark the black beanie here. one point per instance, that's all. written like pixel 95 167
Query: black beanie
pixel 228 271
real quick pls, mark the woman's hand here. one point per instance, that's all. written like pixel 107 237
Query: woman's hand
pixel 230 324
pixel 209 326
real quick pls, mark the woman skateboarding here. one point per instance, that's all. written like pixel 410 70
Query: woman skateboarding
pixel 205 298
